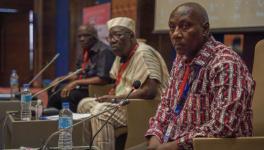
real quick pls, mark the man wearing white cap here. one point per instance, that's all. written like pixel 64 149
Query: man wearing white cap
pixel 134 61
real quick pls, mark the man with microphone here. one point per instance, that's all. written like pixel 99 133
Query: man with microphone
pixel 96 61
pixel 135 61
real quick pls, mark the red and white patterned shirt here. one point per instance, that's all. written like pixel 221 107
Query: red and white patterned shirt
pixel 217 104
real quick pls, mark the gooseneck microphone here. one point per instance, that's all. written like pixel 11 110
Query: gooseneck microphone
pixel 136 84
pixel 122 102
pixel 39 73
pixel 83 120
pixel 59 81
pixel 42 70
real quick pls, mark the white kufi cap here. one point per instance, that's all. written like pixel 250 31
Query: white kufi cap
pixel 122 21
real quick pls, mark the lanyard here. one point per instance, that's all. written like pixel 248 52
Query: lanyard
pixel 124 65
pixel 84 62
pixel 122 68
pixel 183 91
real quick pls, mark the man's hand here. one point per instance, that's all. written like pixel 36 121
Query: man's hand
pixel 153 143
pixel 105 98
pixel 168 146
pixel 72 78
pixel 55 83
pixel 65 92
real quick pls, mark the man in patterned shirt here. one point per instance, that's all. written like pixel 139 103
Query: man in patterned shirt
pixel 210 90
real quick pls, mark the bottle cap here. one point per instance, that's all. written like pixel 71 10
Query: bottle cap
pixel 25 85
pixel 39 102
pixel 65 105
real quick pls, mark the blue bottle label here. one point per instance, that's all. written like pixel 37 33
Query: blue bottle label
pixel 65 122
pixel 26 98
pixel 14 82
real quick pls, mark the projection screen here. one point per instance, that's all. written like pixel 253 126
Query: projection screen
pixel 223 14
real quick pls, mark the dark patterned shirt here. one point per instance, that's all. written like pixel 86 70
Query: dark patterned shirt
pixel 100 62
pixel 217 104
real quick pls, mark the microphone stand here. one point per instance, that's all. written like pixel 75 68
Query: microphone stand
pixel 50 86
pixel 42 70
pixel 123 102
pixel 83 120
pixel 91 143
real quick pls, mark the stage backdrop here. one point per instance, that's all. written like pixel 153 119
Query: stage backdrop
pixel 98 16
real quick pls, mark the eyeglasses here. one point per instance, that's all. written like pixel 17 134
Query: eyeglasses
pixel 117 35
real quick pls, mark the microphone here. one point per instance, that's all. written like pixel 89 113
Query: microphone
pixel 136 84
pixel 59 81
pixel 115 107
pixel 42 70
pixel 17 95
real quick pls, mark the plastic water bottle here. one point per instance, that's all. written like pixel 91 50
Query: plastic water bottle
pixel 14 85
pixel 38 109
pixel 26 98
pixel 65 123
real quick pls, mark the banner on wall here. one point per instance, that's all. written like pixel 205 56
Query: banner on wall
pixel 98 16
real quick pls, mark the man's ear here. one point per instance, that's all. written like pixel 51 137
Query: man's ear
pixel 206 28
pixel 132 35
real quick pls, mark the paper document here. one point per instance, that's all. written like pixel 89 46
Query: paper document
pixel 76 116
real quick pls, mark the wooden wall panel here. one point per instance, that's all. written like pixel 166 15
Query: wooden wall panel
pixel 124 8
pixel 49 36
pixel 14 50
pixel 22 6
pixel 14 41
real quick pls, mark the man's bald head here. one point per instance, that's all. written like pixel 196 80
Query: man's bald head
pixel 198 11
pixel 87 35
pixel 89 29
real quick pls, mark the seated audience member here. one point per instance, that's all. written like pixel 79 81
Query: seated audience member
pixel 96 60
pixel 134 61
pixel 210 88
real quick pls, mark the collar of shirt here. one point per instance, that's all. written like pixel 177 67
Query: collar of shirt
pixel 95 48
pixel 203 56
pixel 124 59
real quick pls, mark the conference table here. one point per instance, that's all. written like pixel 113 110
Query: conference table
pixel 34 133
pixel 14 105
pixel 5 106
pixel 15 133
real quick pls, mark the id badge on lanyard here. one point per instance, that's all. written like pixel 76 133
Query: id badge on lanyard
pixel 180 104
pixel 177 111
pixel 184 89
pixel 168 133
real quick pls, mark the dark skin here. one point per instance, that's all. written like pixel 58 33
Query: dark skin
pixel 87 38
pixel 122 41
pixel 189 30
